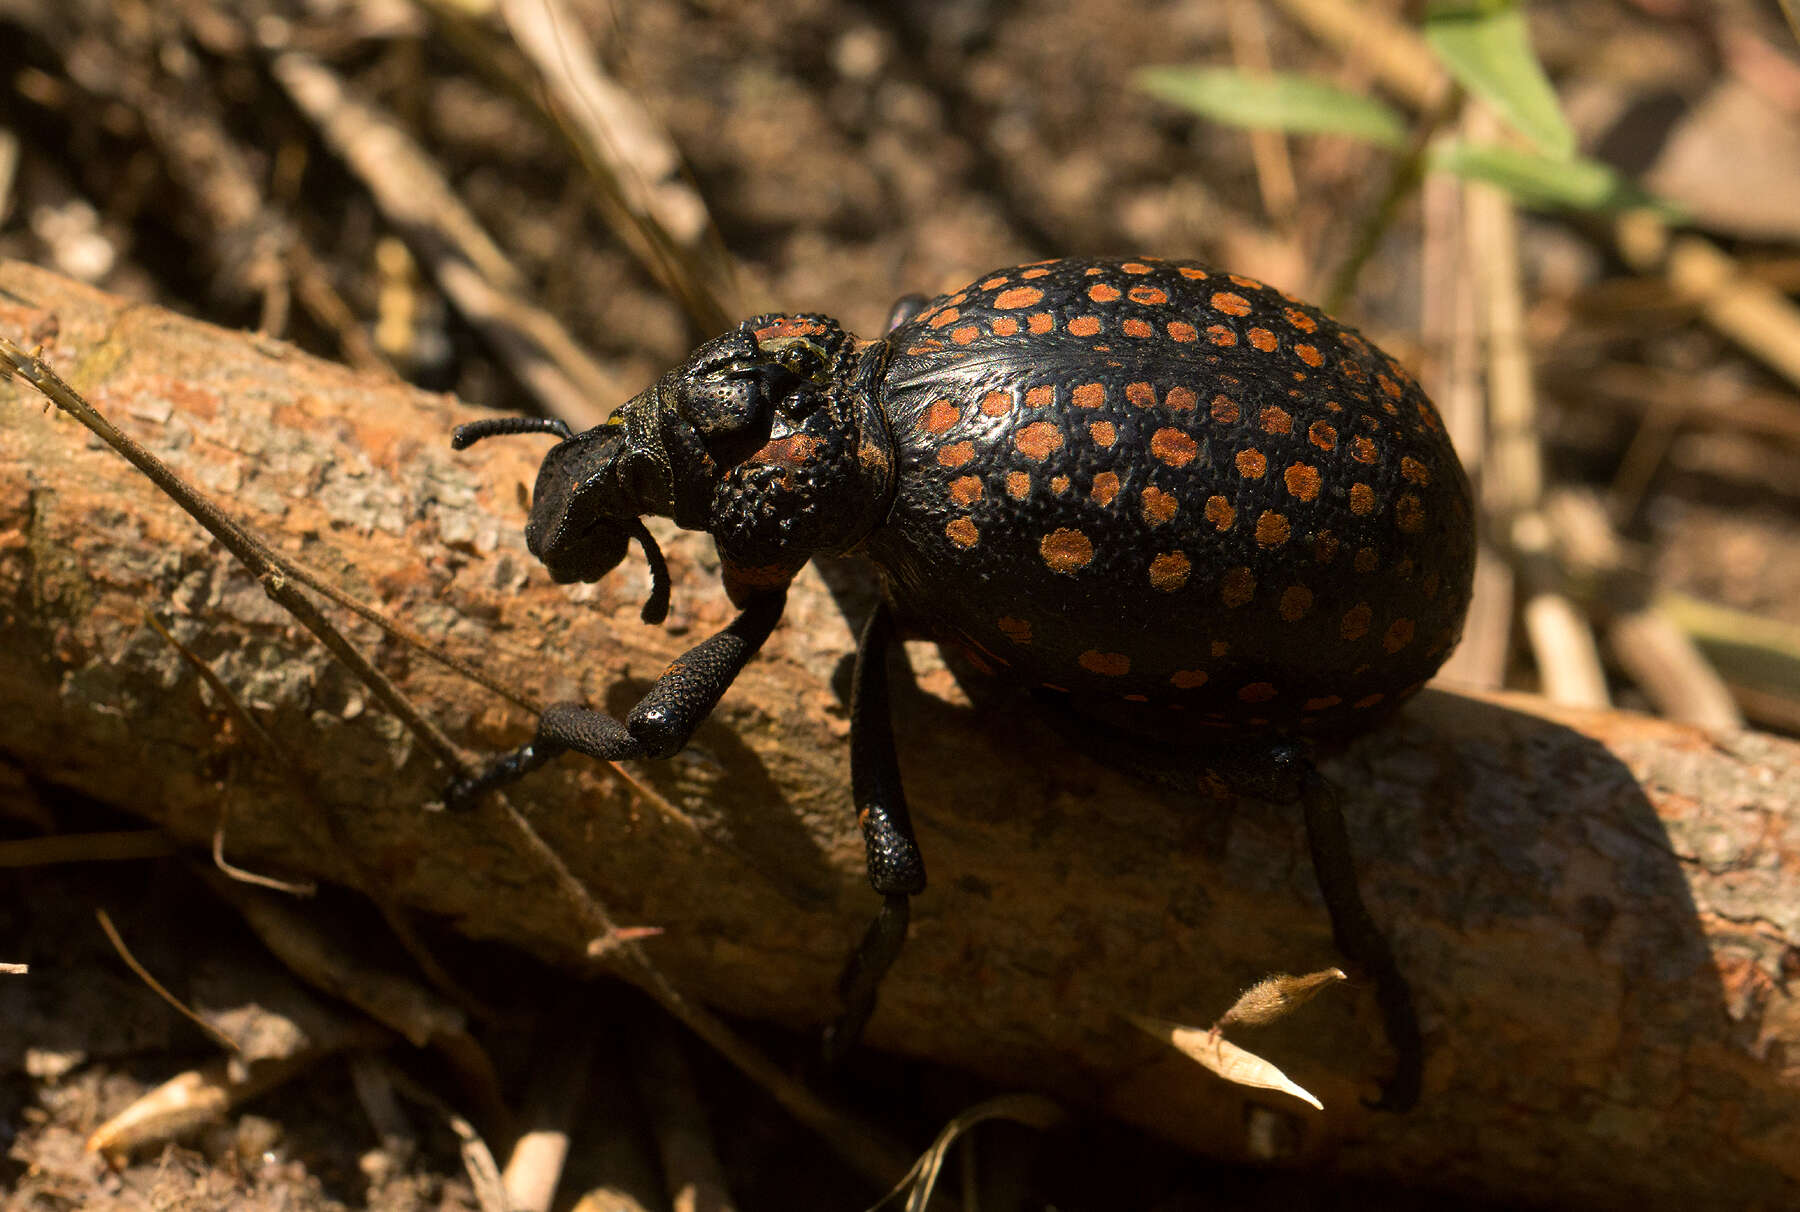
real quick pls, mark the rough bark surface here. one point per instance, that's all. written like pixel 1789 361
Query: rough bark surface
pixel 1599 913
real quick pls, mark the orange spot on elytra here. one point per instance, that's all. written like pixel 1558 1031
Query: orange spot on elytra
pixel 1106 664
pixel 1173 447
pixel 1066 549
pixel 996 280
pixel 1137 328
pixel 965 490
pixel 1134 267
pixel 1187 679
pixel 1084 326
pixel 1036 272
pixel 1231 304
pixel 1005 326
pixel 1088 395
pixel 1106 487
pixel 1018 485
pixel 1218 334
pixel 1037 440
pixel 1368 701
pixel 1246 283
pixel 1321 704
pixel 965 335
pixel 1355 623
pixel 1220 513
pixel 1220 648
pixel 1413 471
pixel 1103 292
pixel 1041 396
pixel 1158 506
pixel 1276 420
pixel 1150 296
pixel 1169 571
pixel 1103 433
pixel 1237 587
pixel 1322 435
pixel 1399 634
pixel 1141 394
pixel 1391 388
pixel 1181 330
pixel 1181 399
pixel 1015 629
pixel 1256 692
pixel 943 318
pixel 1302 481
pixel 1018 296
pixel 1367 559
pixel 1262 338
pixel 1192 274
pixel 997 403
pixel 1040 322
pixel 1310 355
pixel 1059 484
pixel 1363 450
pixel 1302 321
pixel 1296 600
pixel 942 415
pixel 1271 529
pixel 1362 499
pixel 1325 547
pixel 956 455
pixel 962 532
pixel 1409 514
pixel 1252 464
pixel 1225 410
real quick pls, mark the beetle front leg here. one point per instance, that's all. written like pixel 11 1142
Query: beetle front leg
pixel 657 727
pixel 895 869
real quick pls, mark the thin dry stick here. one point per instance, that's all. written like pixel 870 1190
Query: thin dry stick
pixel 678 1121
pixel 467 265
pixel 249 724
pixel 552 1107
pixel 1268 148
pixel 1566 652
pixel 1453 344
pixel 635 165
pixel 156 986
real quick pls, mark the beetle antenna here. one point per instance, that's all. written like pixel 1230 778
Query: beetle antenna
pixel 465 436
pixel 656 607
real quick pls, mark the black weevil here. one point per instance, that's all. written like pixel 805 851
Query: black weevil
pixel 1192 509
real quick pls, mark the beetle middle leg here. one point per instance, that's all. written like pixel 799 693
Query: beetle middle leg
pixel 895 869
pixel 657 727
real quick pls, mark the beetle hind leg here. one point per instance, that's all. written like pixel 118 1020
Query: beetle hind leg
pixel 1359 938
pixel 896 870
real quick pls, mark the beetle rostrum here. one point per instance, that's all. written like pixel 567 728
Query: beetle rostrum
pixel 1175 500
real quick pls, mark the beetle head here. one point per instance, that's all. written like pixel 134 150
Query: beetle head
pixel 663 452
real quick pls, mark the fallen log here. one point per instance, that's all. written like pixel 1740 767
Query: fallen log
pixel 1599 913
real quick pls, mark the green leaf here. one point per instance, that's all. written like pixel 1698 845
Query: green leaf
pixel 1487 47
pixel 1545 181
pixel 1274 101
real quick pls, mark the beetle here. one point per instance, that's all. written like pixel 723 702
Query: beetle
pixel 1174 501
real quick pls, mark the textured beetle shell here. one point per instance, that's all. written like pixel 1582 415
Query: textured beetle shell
pixel 1150 482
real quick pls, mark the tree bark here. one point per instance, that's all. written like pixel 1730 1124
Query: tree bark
pixel 1599 913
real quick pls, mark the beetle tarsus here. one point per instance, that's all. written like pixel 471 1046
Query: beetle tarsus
pixel 861 979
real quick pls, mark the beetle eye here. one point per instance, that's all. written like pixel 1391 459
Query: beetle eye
pixel 732 406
